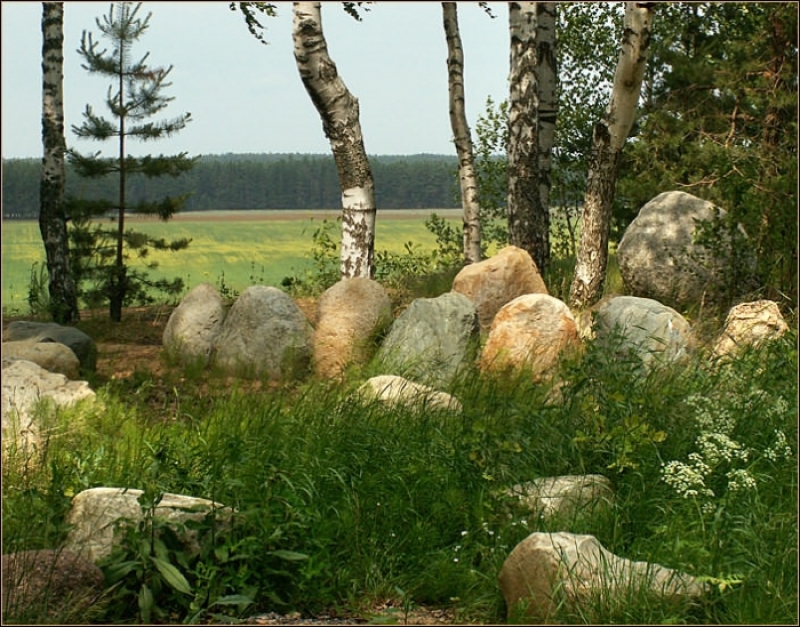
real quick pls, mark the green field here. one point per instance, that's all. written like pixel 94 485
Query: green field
pixel 239 248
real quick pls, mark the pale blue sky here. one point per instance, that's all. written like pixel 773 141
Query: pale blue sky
pixel 247 97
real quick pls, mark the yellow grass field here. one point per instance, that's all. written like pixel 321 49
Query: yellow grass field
pixel 239 248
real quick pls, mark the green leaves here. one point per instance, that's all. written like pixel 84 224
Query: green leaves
pixel 172 576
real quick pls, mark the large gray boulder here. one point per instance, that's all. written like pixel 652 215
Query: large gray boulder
pixel 651 332
pixel 76 340
pixel 532 332
pixel 194 325
pixel 26 388
pixel 351 314
pixel 659 257
pixel 433 340
pixel 493 282
pixel 96 514
pixel 264 334
pixel 547 570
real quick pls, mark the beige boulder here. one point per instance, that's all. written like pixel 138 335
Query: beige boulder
pixel 565 496
pixel 350 315
pixel 52 356
pixel 392 390
pixel 749 324
pixel 547 570
pixel 532 332
pixel 492 283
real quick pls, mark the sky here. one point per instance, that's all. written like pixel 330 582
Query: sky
pixel 246 97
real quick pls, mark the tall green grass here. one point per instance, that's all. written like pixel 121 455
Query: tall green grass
pixel 342 503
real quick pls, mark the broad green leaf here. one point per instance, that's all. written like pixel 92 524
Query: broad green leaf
pixel 172 576
pixel 289 556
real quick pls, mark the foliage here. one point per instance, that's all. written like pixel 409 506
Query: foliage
pixel 98 257
pixel 720 123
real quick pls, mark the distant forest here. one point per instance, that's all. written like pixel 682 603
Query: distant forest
pixel 253 181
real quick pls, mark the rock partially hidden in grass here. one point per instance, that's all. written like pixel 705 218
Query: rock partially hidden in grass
pixel 565 496
pixel 97 512
pixel 749 324
pixel 49 585
pixel 392 389
pixel 76 340
pixel 548 573
pixel 52 356
pixel 193 326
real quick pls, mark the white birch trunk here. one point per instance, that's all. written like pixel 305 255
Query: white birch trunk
pixel 52 218
pixel 339 111
pixel 531 124
pixel 461 134
pixel 607 143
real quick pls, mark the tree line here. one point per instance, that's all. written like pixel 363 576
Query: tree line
pixel 253 181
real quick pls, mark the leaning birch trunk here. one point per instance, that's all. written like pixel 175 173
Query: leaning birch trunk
pixel 532 30
pixel 338 109
pixel 461 134
pixel 607 142
pixel 52 218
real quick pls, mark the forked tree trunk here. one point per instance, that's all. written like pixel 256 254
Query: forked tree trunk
pixel 339 111
pixel 52 218
pixel 531 125
pixel 607 142
pixel 463 140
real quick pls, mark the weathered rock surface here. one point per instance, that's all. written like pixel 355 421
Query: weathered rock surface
pixel 76 340
pixel 547 569
pixel 25 386
pixel 432 340
pixel 350 315
pixel 194 325
pixel 264 334
pixel 749 324
pixel 493 282
pixel 59 585
pixel 644 328
pixel 565 496
pixel 52 356
pixel 659 259
pixel 96 511
pixel 531 332
pixel 392 390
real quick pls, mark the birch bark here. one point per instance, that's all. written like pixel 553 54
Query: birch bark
pixel 463 139
pixel 52 218
pixel 531 124
pixel 608 139
pixel 339 112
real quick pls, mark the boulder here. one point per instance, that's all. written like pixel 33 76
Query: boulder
pixel 659 257
pixel 194 325
pixel 493 282
pixel 96 513
pixel 531 332
pixel 565 496
pixel 351 314
pixel 644 328
pixel 76 340
pixel 264 334
pixel 546 570
pixel 52 356
pixel 393 390
pixel 54 585
pixel 749 324
pixel 25 386
pixel 432 340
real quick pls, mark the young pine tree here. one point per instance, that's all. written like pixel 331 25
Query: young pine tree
pixel 100 253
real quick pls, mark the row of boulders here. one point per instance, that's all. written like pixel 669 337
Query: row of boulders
pixel 498 316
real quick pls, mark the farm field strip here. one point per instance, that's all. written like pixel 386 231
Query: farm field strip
pixel 239 248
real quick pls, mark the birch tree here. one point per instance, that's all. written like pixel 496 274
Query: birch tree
pixel 608 139
pixel 532 112
pixel 463 139
pixel 52 218
pixel 339 112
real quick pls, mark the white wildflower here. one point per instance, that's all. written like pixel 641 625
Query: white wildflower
pixel 739 480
